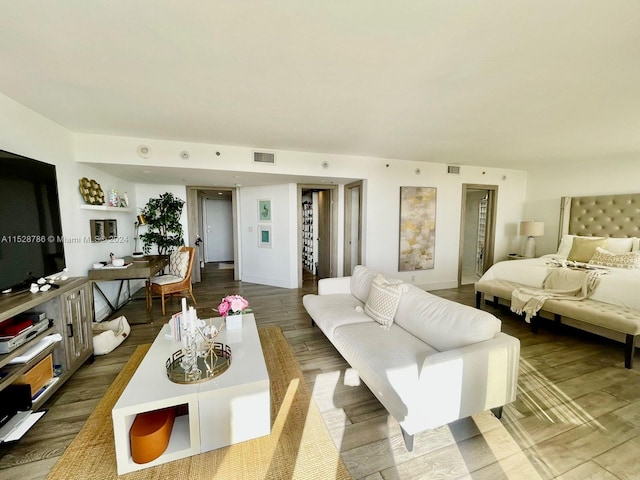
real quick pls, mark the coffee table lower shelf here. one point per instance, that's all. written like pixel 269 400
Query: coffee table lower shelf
pixel 231 408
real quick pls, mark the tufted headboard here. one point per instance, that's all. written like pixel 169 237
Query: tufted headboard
pixel 600 216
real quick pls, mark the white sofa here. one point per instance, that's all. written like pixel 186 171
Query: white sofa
pixel 438 362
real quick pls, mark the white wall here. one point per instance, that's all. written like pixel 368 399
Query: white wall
pixel 276 266
pixel 383 179
pixel 27 133
pixel 546 185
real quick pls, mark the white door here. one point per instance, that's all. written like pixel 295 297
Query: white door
pixel 218 239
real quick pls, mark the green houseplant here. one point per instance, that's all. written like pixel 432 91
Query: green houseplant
pixel 162 217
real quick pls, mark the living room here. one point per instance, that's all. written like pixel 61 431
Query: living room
pixel 541 118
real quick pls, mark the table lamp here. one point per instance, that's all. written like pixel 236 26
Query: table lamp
pixel 531 230
pixel 140 220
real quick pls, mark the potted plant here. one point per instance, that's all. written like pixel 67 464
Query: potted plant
pixel 162 217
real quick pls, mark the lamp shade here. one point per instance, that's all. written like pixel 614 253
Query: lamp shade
pixel 532 229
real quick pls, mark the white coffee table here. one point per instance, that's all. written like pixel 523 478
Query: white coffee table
pixel 231 408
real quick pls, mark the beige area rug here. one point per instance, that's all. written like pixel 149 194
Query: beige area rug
pixel 299 446
pixel 225 266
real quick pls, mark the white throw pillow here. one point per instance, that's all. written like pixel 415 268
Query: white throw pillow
pixel 619 245
pixel 383 300
pixel 620 260
pixel 565 245
pixel 361 279
pixel 178 263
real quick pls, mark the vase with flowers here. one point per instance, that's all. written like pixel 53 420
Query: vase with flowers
pixel 231 309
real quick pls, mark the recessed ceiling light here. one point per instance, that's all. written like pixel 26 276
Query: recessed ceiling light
pixel 144 151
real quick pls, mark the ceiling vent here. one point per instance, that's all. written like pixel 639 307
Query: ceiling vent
pixel 455 169
pixel 264 157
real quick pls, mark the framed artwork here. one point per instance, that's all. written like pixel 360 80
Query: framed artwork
pixel 264 210
pixel 111 229
pixel 97 230
pixel 417 228
pixel 264 236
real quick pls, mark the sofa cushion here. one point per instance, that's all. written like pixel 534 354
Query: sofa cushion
pixel 390 361
pixel 382 302
pixel 332 311
pixel 441 323
pixel 361 279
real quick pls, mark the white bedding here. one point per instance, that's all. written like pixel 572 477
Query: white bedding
pixel 620 286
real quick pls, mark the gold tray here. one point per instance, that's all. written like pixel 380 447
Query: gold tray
pixel 215 363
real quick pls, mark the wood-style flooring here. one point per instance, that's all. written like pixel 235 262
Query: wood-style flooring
pixel 577 414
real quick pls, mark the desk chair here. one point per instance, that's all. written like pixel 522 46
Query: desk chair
pixel 178 279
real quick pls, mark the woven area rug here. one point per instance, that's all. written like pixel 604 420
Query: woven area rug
pixel 299 446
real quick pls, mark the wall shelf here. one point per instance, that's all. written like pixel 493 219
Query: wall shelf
pixel 105 208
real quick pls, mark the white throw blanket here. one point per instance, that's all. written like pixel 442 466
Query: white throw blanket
pixel 560 284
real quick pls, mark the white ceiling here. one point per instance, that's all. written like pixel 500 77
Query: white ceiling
pixel 492 83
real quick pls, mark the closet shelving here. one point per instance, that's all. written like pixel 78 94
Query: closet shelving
pixel 307 235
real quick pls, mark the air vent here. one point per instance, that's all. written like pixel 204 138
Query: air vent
pixel 455 169
pixel 264 157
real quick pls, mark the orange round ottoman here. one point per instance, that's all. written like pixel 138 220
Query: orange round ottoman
pixel 150 434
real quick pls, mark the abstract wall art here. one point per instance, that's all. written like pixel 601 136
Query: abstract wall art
pixel 417 228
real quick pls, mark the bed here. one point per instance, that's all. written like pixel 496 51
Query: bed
pixel 612 307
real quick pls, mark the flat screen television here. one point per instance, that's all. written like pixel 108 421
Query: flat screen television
pixel 31 240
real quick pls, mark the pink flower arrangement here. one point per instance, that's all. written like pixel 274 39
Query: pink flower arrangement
pixel 232 305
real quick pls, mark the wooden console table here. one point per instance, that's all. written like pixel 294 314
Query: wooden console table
pixel 138 268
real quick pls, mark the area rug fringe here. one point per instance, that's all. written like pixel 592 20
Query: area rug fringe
pixel 299 446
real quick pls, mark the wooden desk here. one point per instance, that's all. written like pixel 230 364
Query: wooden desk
pixel 139 268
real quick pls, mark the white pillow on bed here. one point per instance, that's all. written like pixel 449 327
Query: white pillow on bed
pixel 565 245
pixel 614 245
pixel 619 245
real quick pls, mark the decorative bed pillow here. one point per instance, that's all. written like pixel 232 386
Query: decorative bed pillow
pixel 565 245
pixel 583 248
pixel 178 263
pixel 621 260
pixel 619 244
pixel 383 300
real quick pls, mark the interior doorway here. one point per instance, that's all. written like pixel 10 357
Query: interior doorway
pixel 317 227
pixel 212 221
pixel 217 216
pixel 353 193
pixel 477 231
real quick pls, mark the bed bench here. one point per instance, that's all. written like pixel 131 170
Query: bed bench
pixel 610 317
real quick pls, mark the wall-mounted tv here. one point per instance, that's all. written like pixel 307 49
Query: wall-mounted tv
pixel 31 240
